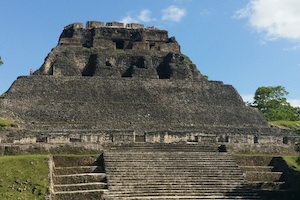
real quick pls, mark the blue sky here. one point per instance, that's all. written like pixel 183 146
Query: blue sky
pixel 244 43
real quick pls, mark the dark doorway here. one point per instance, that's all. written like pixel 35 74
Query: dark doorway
pixel 255 140
pixel 119 44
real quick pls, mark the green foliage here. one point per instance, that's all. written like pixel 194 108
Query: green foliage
pixel 271 101
pixel 293 125
pixel 5 122
pixel 1 62
pixel 292 161
pixel 23 177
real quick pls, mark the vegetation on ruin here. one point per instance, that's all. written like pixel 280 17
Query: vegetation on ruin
pixel 1 62
pixel 23 177
pixel 293 162
pixel 292 125
pixel 5 123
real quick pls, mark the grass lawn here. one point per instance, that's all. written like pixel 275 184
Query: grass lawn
pixel 23 177
pixel 293 125
pixel 293 162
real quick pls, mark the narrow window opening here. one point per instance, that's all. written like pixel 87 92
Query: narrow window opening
pixel 255 140
pixel 152 46
pixel 108 64
pixel 285 140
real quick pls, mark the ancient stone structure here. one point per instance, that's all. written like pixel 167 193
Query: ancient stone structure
pixel 115 84
pixel 130 93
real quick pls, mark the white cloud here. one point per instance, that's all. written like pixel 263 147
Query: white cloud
pixel 294 102
pixel 173 13
pixel 247 97
pixel 276 18
pixel 145 16
pixel 204 12
pixel 292 48
pixel 128 19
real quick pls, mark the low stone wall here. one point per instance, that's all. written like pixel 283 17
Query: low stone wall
pixel 228 138
pixel 67 137
pixel 273 149
pixel 45 148
pixel 12 143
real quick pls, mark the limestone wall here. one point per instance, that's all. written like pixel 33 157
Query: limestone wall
pixel 128 103
pixel 118 37
pixel 74 140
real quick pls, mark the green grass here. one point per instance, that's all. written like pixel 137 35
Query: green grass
pixel 293 162
pixel 23 177
pixel 293 125
pixel 5 122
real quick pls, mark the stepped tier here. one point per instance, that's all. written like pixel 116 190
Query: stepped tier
pixel 133 81
pixel 181 171
pixel 128 103
pixel 77 177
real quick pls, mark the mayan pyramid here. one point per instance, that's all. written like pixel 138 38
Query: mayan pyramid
pixel 129 84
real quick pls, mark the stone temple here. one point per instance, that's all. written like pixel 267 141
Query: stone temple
pixel 110 85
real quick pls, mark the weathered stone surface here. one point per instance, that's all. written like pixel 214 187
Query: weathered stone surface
pixel 131 79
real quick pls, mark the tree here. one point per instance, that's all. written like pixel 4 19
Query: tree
pixel 1 62
pixel 271 101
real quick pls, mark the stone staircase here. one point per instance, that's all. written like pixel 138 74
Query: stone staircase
pixel 173 171
pixel 77 177
pixel 259 172
pixel 269 176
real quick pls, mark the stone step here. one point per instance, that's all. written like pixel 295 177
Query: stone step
pixel 166 157
pixel 191 169
pixel 182 193
pixel 79 195
pixel 257 168
pixel 164 153
pixel 187 148
pixel 194 181
pixel 161 177
pixel 169 159
pixel 201 185
pixel 71 161
pixel 80 186
pixel 78 170
pixel 172 155
pixel 79 178
pixel 206 184
pixel 146 173
pixel 176 173
pixel 263 176
pixel 143 165
pixel 184 197
pixel 267 185
pixel 155 159
pixel 135 166
pixel 164 146
pixel 253 160
pixel 169 163
pixel 196 188
pixel 176 182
